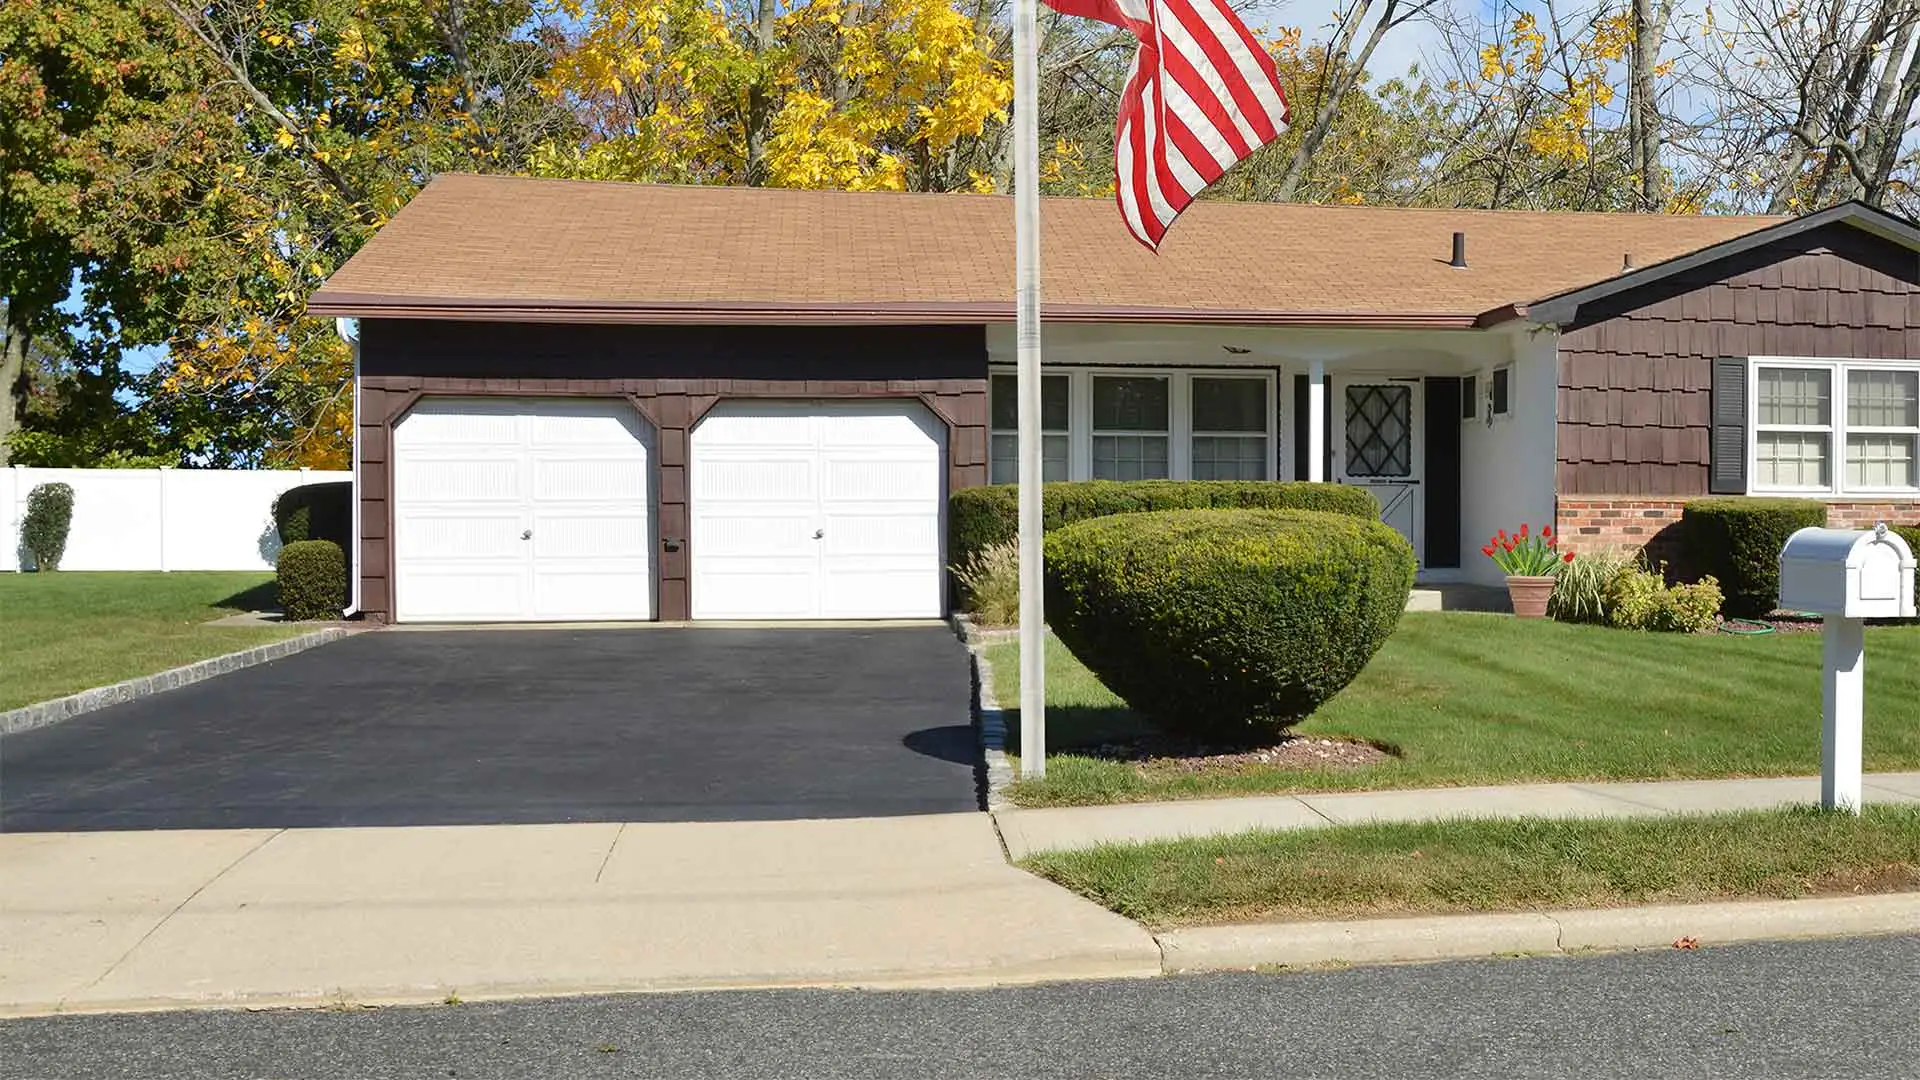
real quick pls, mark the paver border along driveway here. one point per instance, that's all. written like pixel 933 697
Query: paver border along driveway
pixel 467 727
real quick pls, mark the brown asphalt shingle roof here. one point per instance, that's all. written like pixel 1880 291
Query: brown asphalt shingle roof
pixel 554 250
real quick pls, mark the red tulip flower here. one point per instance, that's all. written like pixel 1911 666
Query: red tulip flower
pixel 1523 530
pixel 1487 551
pixel 1569 557
pixel 1546 531
pixel 1509 544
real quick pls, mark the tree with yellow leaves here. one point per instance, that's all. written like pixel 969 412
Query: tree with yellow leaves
pixel 856 94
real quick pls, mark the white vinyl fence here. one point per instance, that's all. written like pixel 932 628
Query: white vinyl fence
pixel 158 519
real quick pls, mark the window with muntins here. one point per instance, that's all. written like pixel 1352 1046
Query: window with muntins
pixel 1829 427
pixel 1055 413
pixel 1131 418
pixel 1229 428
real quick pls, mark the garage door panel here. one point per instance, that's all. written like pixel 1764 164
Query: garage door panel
pixel 470 594
pixel 618 537
pixel 811 509
pixel 513 509
pixel 454 534
pixel 590 594
pixel 431 479
pixel 589 480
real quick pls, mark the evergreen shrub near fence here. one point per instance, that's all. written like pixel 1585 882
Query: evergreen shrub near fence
pixel 48 521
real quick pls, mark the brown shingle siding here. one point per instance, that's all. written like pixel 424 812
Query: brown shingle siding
pixel 1635 381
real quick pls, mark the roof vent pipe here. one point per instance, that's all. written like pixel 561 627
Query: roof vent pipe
pixel 1459 260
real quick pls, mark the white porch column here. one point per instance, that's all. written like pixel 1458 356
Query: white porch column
pixel 1316 420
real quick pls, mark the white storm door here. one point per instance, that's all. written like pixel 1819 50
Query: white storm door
pixel 1378 445
pixel 880 512
pixel 589 510
pixel 459 507
pixel 754 504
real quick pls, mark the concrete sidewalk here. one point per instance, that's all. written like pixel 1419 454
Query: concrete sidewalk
pixel 105 920
pixel 1069 827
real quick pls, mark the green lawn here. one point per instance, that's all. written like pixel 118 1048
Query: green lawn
pixel 1456 866
pixel 1483 699
pixel 67 632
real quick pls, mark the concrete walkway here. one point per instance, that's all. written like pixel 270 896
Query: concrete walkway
pixel 1070 827
pixel 106 920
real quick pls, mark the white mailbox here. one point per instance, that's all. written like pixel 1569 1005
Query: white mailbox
pixel 1848 576
pixel 1847 573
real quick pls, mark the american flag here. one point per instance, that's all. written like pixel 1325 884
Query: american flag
pixel 1201 96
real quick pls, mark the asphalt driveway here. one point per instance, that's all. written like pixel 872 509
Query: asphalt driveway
pixel 519 727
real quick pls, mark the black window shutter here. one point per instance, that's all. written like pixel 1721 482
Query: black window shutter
pixel 1727 439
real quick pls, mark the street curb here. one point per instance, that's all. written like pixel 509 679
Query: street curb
pixel 988 718
pixel 46 713
pixel 1455 937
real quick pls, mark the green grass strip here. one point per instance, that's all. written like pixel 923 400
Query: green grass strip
pixel 1476 866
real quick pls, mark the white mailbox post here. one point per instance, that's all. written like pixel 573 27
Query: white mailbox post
pixel 1846 576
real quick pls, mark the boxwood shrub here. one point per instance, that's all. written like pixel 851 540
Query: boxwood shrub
pixel 980 517
pixel 49 519
pixel 1737 540
pixel 1229 624
pixel 315 512
pixel 312 578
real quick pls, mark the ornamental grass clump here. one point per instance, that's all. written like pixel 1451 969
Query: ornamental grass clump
pixel 990 584
pixel 1522 555
pixel 1226 624
pixel 1580 588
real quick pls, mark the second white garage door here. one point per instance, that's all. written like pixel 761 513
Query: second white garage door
pixel 511 509
pixel 816 510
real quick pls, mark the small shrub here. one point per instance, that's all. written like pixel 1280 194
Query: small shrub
pixel 990 582
pixel 312 579
pixel 1640 599
pixel 1580 589
pixel 49 519
pixel 315 512
pixel 1231 624
pixel 980 517
pixel 1737 542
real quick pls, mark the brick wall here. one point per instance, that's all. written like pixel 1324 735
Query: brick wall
pixel 1631 522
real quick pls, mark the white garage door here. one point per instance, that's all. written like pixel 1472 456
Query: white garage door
pixel 511 509
pixel 805 510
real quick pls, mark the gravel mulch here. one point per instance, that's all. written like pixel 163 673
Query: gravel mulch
pixel 1161 755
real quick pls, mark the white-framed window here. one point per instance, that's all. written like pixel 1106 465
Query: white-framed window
pixel 1469 398
pixel 1055 412
pixel 1141 424
pixel 1132 425
pixel 1501 390
pixel 1833 427
pixel 1232 427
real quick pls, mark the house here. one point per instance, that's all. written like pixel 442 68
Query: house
pixel 608 401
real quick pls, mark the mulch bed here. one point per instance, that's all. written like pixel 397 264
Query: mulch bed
pixel 1161 755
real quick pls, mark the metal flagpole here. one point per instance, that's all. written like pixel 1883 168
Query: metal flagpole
pixel 1026 231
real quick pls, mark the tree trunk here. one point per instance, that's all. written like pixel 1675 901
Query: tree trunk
pixel 13 380
pixel 1344 70
pixel 759 96
pixel 1892 123
pixel 1649 32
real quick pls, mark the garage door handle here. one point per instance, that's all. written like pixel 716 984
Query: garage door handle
pixel 526 534
pixel 819 534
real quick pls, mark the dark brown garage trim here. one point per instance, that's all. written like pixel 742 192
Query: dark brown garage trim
pixel 402 363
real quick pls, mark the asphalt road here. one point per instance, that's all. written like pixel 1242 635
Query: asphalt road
pixel 1824 1009
pixel 522 727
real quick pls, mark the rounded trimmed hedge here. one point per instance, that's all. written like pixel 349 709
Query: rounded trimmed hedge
pixel 1230 624
pixel 1737 541
pixel 315 512
pixel 312 579
pixel 979 518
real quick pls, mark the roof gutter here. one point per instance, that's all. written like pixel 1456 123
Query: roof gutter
pixel 376 306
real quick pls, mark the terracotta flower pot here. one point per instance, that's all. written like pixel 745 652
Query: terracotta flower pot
pixel 1530 596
